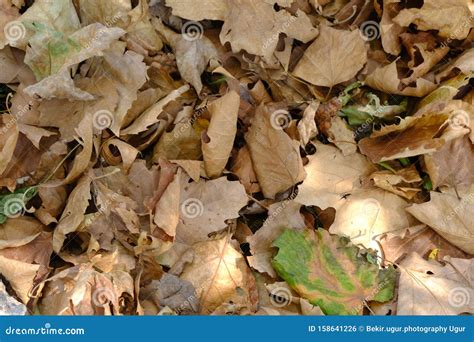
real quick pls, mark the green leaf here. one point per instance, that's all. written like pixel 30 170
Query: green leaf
pixel 330 272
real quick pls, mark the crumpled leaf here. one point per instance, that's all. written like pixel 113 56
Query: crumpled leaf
pixel 411 137
pixel 386 79
pixel 74 211
pixel 205 206
pixel 8 140
pixel 330 273
pixel 252 26
pixel 428 288
pixel 79 290
pixel 452 18
pixel 420 240
pixel 404 182
pixel 274 154
pixel 192 55
pixel 167 210
pixel 58 15
pixel 331 175
pixel 453 164
pixel 317 64
pixel 219 137
pixel 20 275
pixel 389 30
pixel 450 216
pixel 49 53
pixel 217 272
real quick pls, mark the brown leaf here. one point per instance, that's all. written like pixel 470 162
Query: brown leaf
pixel 450 216
pixel 275 156
pixel 428 288
pixel 318 66
pixel 219 138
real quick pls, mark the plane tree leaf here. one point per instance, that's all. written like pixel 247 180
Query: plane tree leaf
pixel 329 272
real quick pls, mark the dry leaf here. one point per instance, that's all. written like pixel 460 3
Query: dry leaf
pixel 274 154
pixel 331 175
pixel 217 273
pixel 219 138
pixel 205 207
pixel 427 288
pixel 452 18
pixel 450 216
pixel 318 65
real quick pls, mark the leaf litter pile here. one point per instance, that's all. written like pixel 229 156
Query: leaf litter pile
pixel 239 157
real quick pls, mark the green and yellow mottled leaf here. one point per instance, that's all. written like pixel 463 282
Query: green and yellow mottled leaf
pixel 330 272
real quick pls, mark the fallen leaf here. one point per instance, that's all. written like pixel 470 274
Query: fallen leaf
pixel 331 175
pixel 317 64
pixel 337 277
pixel 281 168
pixel 428 288
pixel 205 207
pixel 450 216
pixel 281 216
pixel 452 18
pixel 219 138
pixel 217 273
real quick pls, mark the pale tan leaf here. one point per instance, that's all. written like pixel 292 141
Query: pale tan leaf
pixel 221 133
pixel 331 175
pixel 327 61
pixel 386 79
pixel 74 211
pixel 450 216
pixel 217 271
pixel 205 207
pixel 274 154
pixel 452 18
pixel 428 288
